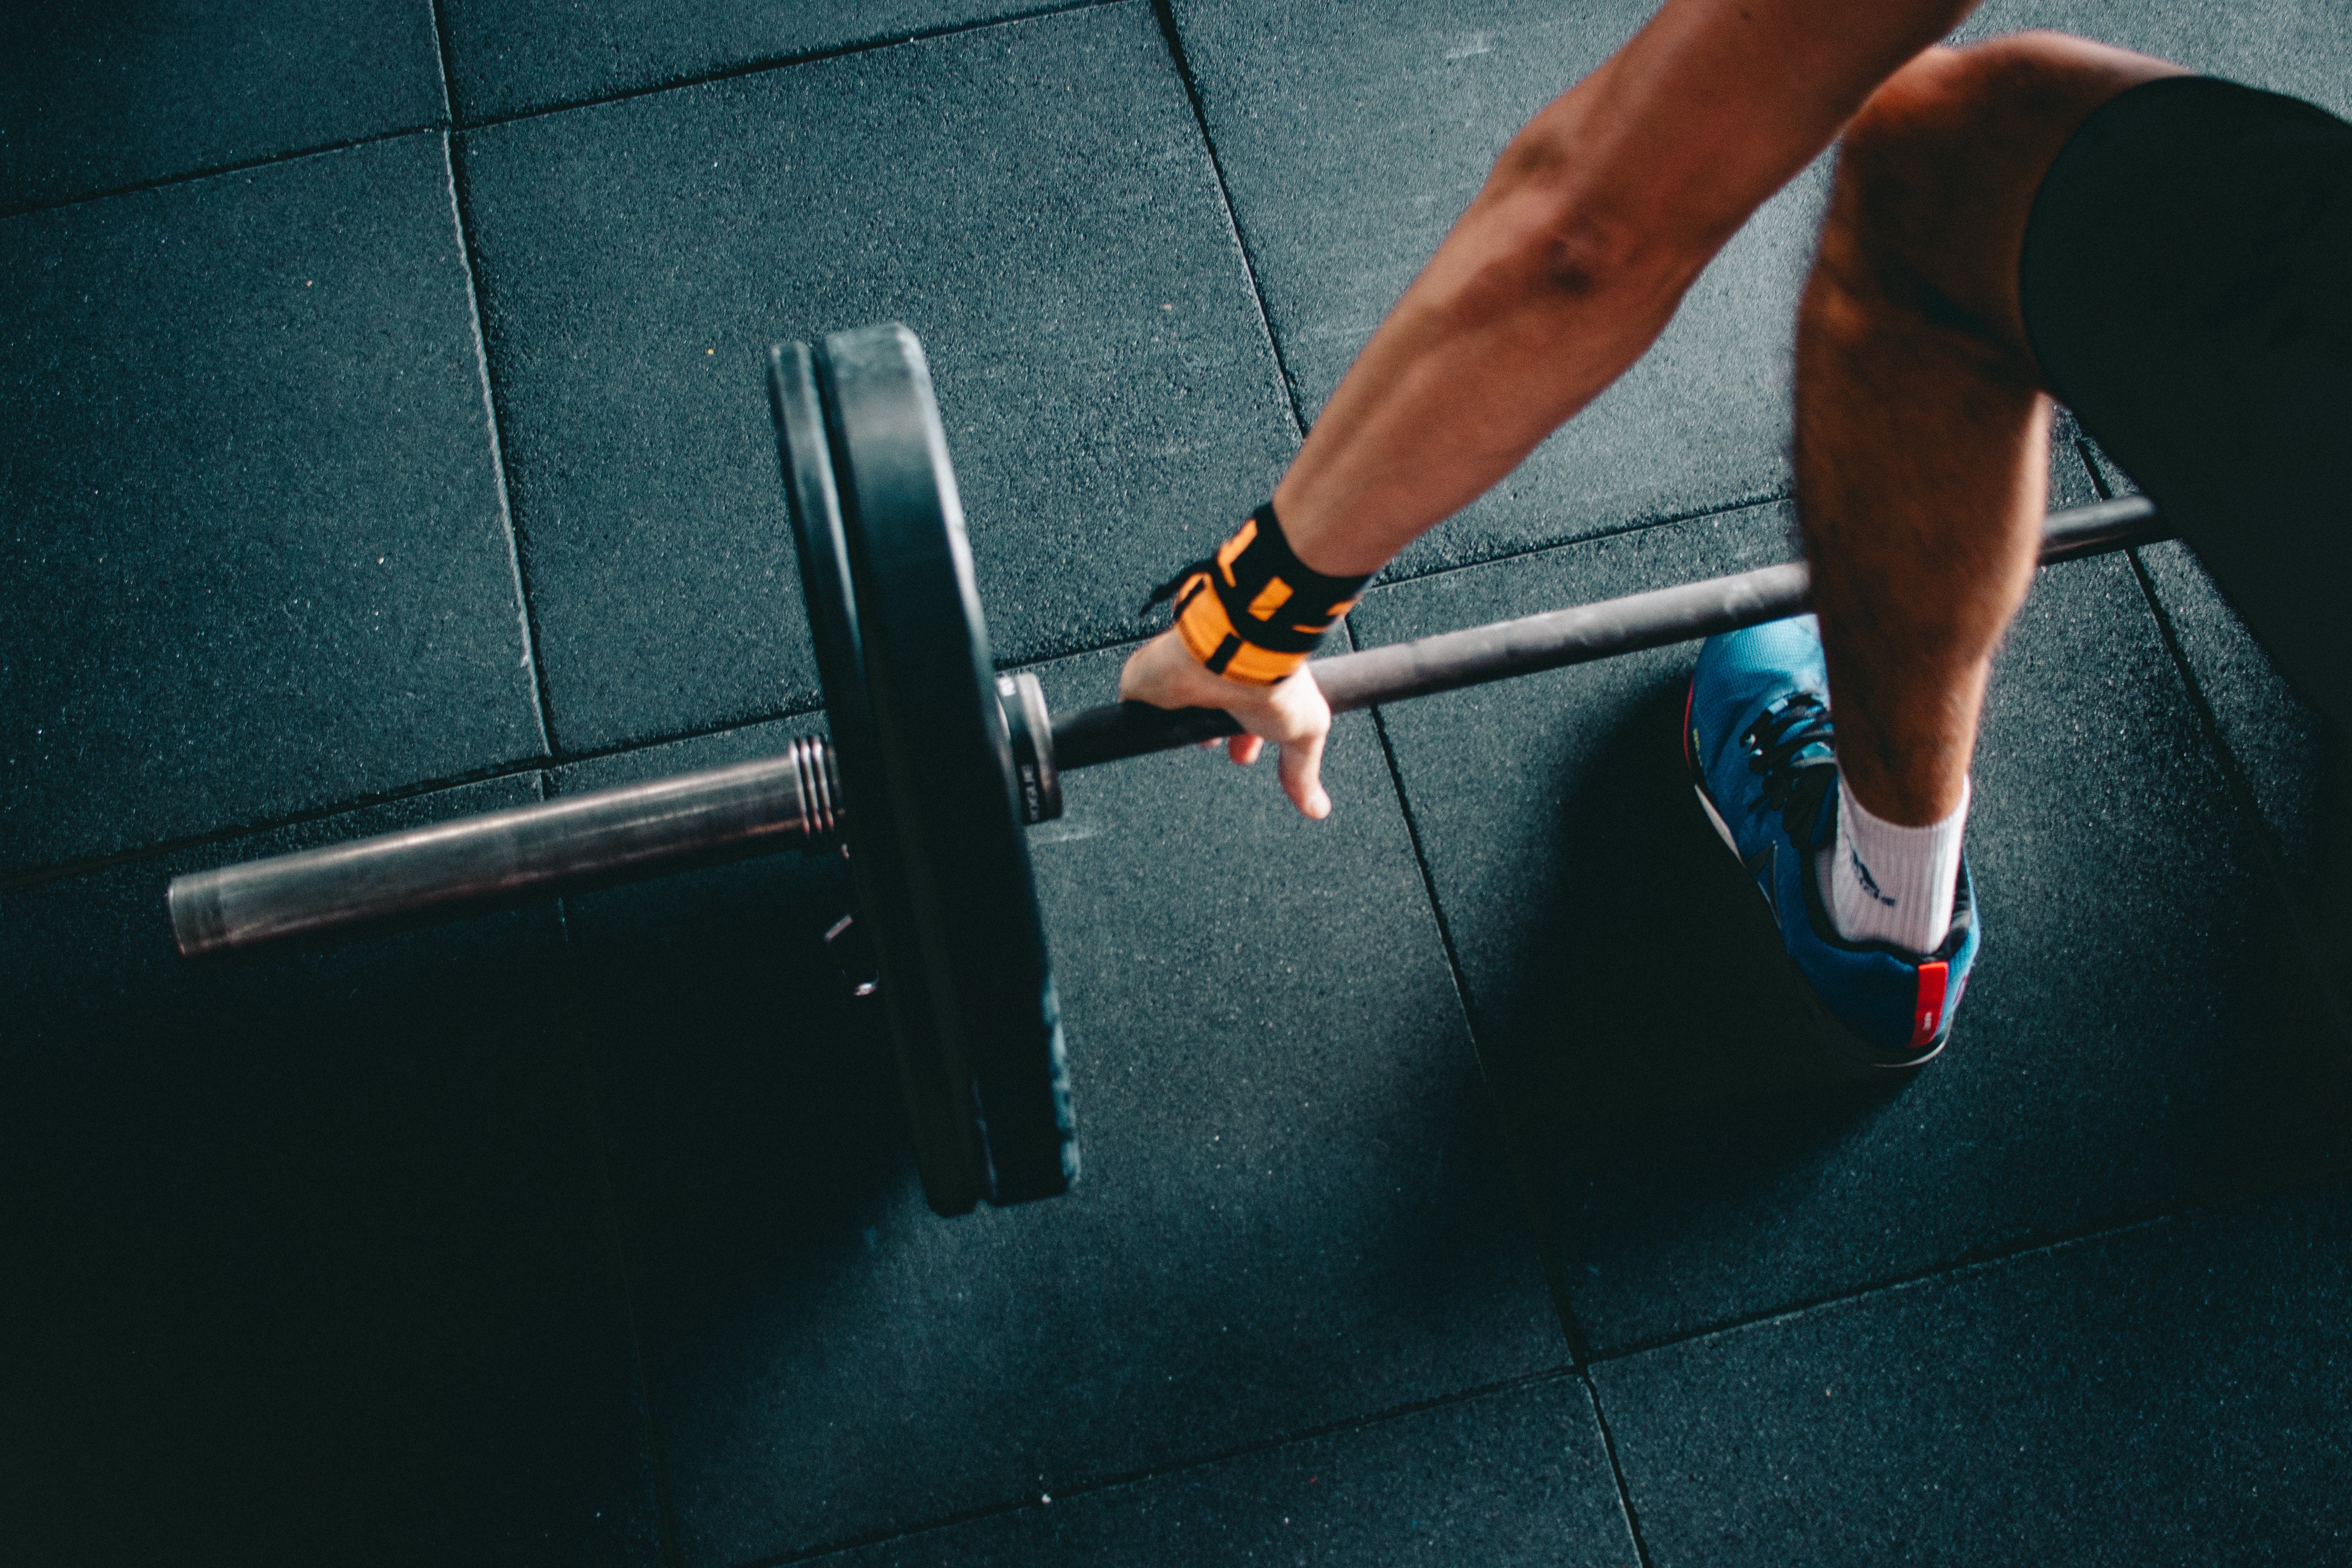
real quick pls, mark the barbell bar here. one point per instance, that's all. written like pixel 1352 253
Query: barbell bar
pixel 961 757
pixel 793 800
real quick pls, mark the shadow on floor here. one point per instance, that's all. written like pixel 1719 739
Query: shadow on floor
pixel 1652 988
pixel 310 1251
pixel 1653 1055
pixel 754 1109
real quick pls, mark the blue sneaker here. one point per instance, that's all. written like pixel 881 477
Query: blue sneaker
pixel 1758 739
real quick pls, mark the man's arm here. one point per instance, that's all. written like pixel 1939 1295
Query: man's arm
pixel 1563 270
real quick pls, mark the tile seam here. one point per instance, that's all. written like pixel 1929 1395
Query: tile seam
pixel 449 122
pixel 1112 1483
pixel 782 62
pixel 1750 502
pixel 1807 1305
pixel 454 160
pixel 2311 948
pixel 1616 1469
pixel 214 172
pixel 441 61
pixel 1164 12
pixel 572 1010
pixel 1972 1264
pixel 1555 1275
pixel 2267 849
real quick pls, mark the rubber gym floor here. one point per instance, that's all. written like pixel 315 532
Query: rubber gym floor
pixel 387 441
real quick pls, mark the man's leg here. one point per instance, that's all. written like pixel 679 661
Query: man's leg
pixel 2035 214
pixel 1921 441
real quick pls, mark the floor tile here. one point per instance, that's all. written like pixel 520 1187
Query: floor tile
pixel 2174 1394
pixel 2293 767
pixel 2295 773
pixel 511 56
pixel 1295 1209
pixel 95 98
pixel 2298 47
pixel 255 560
pixel 2277 741
pixel 2136 1034
pixel 309 1256
pixel 1033 199
pixel 1352 136
pixel 1516 1478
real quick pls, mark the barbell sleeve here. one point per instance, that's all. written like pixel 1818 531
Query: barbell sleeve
pixel 551 846
pixel 1580 635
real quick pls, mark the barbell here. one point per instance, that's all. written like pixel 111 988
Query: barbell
pixel 946 760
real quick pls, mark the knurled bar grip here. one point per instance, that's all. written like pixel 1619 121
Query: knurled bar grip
pixel 1549 641
pixel 755 808
pixel 562 844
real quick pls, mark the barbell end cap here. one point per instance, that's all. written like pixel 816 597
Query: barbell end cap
pixel 198 926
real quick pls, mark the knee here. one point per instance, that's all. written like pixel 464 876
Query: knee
pixel 1943 116
pixel 1891 206
pixel 1960 136
pixel 1937 174
pixel 1926 114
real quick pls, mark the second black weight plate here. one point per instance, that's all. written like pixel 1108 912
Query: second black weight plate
pixel 932 1077
pixel 966 929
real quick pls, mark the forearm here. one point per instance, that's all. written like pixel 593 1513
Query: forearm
pixel 1576 252
pixel 1501 339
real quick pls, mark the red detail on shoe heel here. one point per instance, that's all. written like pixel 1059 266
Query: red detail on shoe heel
pixel 1690 699
pixel 1927 1008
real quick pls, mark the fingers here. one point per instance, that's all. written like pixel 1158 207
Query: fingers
pixel 1301 721
pixel 1302 776
pixel 1291 713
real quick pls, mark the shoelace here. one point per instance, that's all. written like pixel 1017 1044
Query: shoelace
pixel 1793 746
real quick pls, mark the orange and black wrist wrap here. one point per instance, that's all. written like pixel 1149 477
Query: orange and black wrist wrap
pixel 1253 611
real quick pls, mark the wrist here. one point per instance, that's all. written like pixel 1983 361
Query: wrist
pixel 1317 526
pixel 1252 612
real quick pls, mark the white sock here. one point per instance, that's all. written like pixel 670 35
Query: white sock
pixel 1888 883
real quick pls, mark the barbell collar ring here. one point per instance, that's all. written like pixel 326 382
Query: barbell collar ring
pixel 1029 727
pixel 508 856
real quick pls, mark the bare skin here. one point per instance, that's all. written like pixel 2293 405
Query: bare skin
pixel 1922 421
pixel 1572 258
pixel 1565 268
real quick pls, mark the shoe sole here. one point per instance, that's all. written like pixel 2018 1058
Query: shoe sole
pixel 1851 1055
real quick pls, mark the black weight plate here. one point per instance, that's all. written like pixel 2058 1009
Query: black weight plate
pixel 932 1074
pixel 945 758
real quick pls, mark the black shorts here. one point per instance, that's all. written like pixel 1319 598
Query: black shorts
pixel 2187 281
